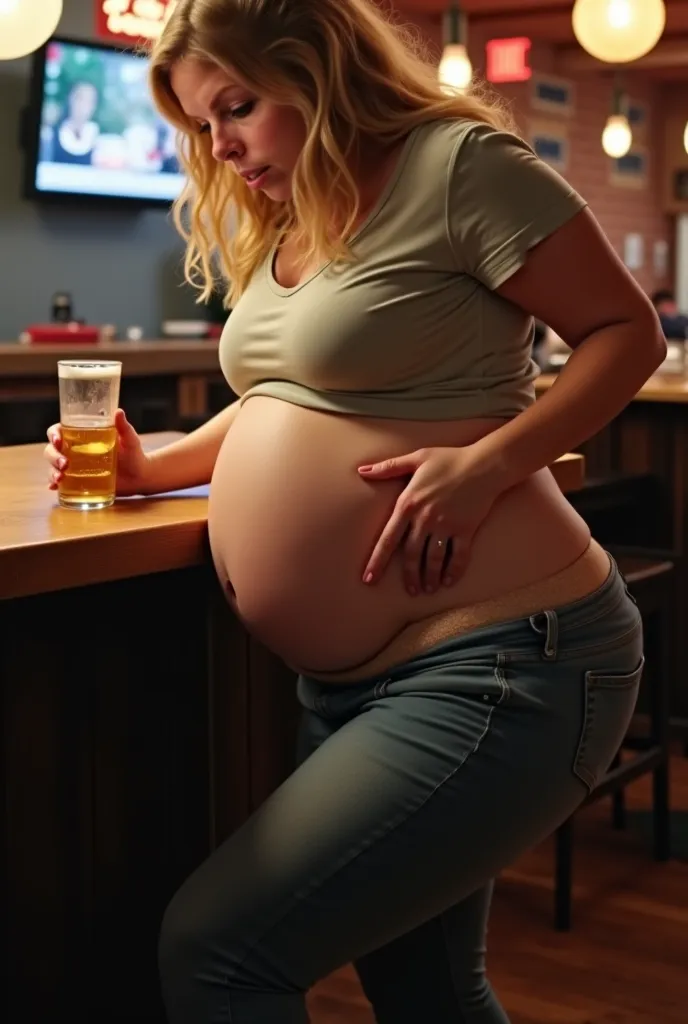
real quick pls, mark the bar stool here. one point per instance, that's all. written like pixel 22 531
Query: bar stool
pixel 650 581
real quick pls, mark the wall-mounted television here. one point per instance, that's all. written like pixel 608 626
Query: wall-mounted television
pixel 91 129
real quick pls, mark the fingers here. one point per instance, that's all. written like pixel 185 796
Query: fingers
pixel 388 542
pixel 435 558
pixel 127 435
pixel 54 435
pixel 456 562
pixel 53 453
pixel 412 557
pixel 56 473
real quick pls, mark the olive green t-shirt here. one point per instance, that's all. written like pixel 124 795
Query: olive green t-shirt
pixel 413 328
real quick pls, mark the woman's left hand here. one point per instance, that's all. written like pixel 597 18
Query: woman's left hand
pixel 449 495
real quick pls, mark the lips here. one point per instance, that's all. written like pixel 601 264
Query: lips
pixel 253 175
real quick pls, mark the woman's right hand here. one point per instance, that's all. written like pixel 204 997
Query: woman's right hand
pixel 133 464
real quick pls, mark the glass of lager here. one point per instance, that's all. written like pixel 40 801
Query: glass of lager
pixel 89 397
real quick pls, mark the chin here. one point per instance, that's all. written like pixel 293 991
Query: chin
pixel 279 193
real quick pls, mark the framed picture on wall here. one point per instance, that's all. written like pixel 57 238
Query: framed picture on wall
pixel 681 184
pixel 638 113
pixel 552 95
pixel 550 142
pixel 630 171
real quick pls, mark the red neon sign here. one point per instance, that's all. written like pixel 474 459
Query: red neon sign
pixel 132 21
pixel 507 60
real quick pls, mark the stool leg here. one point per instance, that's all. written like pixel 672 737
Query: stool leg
pixel 661 814
pixel 659 712
pixel 618 800
pixel 563 840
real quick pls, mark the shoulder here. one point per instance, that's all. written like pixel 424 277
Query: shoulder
pixel 460 153
pixel 460 139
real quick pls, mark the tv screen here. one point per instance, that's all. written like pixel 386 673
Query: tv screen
pixel 93 128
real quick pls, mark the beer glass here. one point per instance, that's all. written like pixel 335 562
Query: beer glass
pixel 89 397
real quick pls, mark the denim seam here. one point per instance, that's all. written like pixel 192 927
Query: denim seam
pixel 594 683
pixel 571 653
pixel 579 769
pixel 303 894
pixel 609 606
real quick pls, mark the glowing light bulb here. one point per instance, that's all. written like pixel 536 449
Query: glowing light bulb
pixel 455 70
pixel 617 31
pixel 25 25
pixel 617 136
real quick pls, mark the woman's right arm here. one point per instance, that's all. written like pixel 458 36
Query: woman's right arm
pixel 190 461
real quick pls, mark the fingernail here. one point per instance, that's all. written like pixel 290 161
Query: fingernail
pixel 369 578
pixel 61 463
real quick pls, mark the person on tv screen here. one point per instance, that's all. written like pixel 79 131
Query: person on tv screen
pixel 77 133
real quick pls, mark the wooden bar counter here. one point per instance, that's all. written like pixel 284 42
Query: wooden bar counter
pixel 163 381
pixel 140 726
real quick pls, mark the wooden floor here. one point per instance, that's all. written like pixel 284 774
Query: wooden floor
pixel 625 960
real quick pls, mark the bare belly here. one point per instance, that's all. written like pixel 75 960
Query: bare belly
pixel 292 525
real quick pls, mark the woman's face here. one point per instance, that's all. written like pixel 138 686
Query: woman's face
pixel 262 140
pixel 83 101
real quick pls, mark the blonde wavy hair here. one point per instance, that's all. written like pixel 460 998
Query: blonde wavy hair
pixel 351 70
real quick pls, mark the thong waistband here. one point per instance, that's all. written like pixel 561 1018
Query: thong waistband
pixel 577 580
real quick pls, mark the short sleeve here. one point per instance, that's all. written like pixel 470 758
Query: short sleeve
pixel 501 201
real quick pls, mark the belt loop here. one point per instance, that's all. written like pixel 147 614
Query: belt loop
pixel 550 627
pixel 552 636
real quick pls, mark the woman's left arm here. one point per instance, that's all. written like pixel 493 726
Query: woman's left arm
pixel 575 283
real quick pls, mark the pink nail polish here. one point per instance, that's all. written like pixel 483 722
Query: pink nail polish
pixel 369 578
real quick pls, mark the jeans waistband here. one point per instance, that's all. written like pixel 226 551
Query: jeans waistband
pixel 550 624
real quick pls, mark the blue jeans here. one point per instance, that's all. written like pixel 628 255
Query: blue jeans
pixel 414 791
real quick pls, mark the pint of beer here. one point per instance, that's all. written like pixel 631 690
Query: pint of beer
pixel 89 396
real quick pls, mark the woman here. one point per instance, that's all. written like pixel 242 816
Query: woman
pixel 381 511
pixel 77 134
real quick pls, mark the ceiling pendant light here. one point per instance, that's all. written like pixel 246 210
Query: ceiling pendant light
pixel 25 25
pixel 618 31
pixel 617 136
pixel 455 69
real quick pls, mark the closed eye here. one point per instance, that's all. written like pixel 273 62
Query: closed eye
pixel 242 111
pixel 234 114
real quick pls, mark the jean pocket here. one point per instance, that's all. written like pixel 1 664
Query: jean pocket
pixel 610 699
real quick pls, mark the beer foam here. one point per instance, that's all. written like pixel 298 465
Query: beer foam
pixel 88 370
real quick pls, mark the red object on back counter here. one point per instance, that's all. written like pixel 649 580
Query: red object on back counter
pixel 71 333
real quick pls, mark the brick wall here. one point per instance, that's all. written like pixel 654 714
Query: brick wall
pixel 620 210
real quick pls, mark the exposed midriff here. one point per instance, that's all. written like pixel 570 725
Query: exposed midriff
pixel 292 525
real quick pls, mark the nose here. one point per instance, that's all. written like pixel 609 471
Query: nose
pixel 226 145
